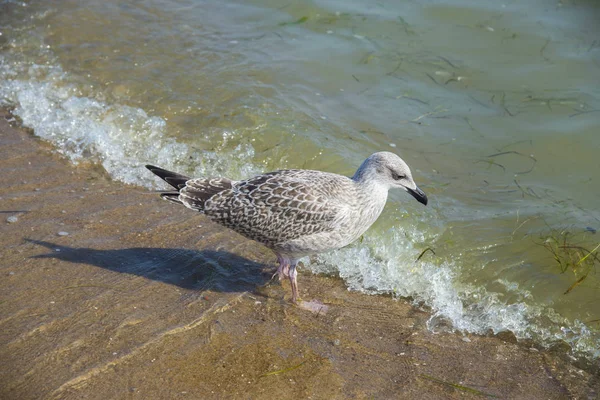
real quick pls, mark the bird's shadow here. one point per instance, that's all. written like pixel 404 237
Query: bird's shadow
pixel 189 269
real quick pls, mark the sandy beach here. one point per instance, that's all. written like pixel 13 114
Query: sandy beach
pixel 108 292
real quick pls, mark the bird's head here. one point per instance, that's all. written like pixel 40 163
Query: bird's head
pixel 391 171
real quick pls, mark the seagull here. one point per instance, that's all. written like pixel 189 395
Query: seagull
pixel 296 212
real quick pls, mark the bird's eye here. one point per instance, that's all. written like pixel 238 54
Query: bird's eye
pixel 397 177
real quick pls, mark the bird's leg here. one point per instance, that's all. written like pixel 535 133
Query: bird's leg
pixel 292 275
pixel 284 268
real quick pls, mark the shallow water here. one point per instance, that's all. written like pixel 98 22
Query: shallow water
pixel 494 106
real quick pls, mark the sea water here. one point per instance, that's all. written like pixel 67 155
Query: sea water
pixel 494 105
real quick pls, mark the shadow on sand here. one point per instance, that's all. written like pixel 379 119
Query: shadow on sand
pixel 189 269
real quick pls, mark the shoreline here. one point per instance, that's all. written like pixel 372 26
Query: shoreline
pixel 109 292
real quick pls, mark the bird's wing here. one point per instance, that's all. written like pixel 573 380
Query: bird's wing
pixel 280 206
pixel 196 192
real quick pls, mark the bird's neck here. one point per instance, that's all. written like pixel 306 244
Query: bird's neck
pixel 371 196
pixel 369 185
pixel 367 177
pixel 364 174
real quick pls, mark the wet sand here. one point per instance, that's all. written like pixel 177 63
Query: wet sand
pixel 146 300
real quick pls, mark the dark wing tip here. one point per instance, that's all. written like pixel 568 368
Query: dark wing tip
pixel 176 182
pixel 172 178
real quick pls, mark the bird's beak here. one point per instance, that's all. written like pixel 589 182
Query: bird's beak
pixel 418 194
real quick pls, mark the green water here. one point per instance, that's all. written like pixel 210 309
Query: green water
pixel 494 105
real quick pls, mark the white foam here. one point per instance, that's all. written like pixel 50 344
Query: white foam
pixel 386 264
pixel 120 137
